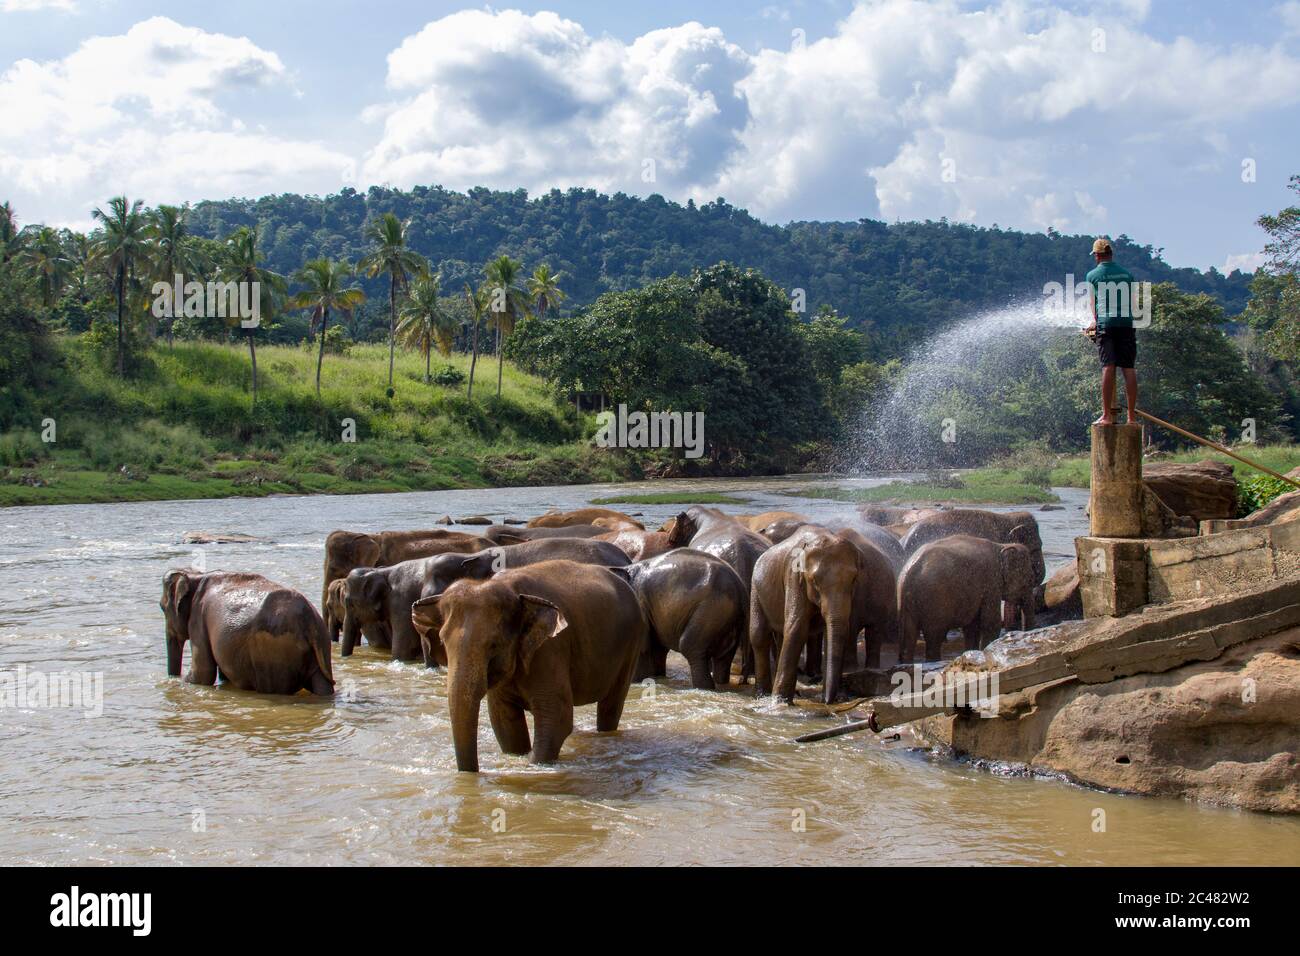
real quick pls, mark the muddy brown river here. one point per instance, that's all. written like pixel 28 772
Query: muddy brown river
pixel 173 773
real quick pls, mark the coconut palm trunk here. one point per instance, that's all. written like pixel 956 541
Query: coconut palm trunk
pixel 121 339
pixel 473 360
pixel 252 355
pixel 320 355
pixel 500 360
pixel 392 324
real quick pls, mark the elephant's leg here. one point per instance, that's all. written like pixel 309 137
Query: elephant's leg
pixel 989 625
pixel 609 709
pixel 872 639
pixel 508 723
pixel 203 666
pixel 644 667
pixel 552 724
pixel 971 635
pixel 934 638
pixel 698 640
pixel 760 640
pixel 658 660
pixel 814 639
pixel 908 633
pixel 793 639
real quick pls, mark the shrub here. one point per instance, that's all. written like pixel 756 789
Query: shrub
pixel 22 449
pixel 449 375
pixel 1254 491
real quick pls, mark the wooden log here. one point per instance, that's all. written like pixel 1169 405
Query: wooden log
pixel 1115 508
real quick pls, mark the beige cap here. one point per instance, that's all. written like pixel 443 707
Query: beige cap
pixel 1102 247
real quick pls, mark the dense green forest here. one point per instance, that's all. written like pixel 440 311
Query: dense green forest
pixel 897 282
pixel 798 343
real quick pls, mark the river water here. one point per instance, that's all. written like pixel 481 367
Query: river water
pixel 173 773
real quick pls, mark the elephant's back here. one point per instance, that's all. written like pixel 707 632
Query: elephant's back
pixel 580 550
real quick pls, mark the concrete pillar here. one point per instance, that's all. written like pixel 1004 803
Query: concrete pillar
pixel 1115 507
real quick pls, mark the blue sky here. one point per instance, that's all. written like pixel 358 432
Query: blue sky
pixel 1119 116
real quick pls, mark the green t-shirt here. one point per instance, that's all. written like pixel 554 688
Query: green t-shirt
pixel 1112 290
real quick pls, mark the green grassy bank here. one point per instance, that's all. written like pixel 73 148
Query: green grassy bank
pixel 184 426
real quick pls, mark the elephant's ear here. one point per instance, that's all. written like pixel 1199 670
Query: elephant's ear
pixel 479 563
pixel 179 588
pixel 681 530
pixel 426 616
pixel 542 620
pixel 375 587
pixel 1015 562
pixel 1022 534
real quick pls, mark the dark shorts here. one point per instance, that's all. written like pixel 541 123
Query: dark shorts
pixel 1117 347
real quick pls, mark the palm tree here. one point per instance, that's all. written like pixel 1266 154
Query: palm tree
pixel 477 299
pixel 324 292
pixel 508 300
pixel 240 263
pixel 44 258
pixel 120 247
pixel 544 291
pixel 389 253
pixel 173 253
pixel 10 238
pixel 79 253
pixel 425 324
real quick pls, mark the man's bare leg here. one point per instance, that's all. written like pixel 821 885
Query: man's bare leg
pixel 1107 395
pixel 1131 394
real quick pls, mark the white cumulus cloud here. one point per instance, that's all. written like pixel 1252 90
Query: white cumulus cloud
pixel 141 112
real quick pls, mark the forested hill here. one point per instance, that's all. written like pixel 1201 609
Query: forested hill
pixel 900 280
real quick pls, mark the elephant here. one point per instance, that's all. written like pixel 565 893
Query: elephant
pixel 713 532
pixel 876 601
pixel 807 583
pixel 345 550
pixel 694 604
pixel 335 607
pixel 961 581
pixel 559 519
pixel 638 545
pixel 513 534
pixel 777 531
pixel 889 516
pixel 1011 527
pixel 252 633
pixel 543 638
pixel 379 599
pixel 760 521
pixel 883 538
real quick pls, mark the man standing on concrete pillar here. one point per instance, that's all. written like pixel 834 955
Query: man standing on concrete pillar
pixel 1110 288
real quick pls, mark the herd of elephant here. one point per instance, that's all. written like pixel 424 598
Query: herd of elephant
pixel 574 607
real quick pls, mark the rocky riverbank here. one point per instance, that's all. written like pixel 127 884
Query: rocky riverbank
pixel 1198 699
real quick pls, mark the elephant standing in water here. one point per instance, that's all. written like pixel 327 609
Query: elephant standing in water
pixel 695 604
pixel 345 550
pixel 252 633
pixel 717 533
pixel 335 607
pixel 513 534
pixel 543 638
pixel 807 583
pixel 1009 527
pixel 961 582
pixel 379 599
pixel 606 518
pixel 638 545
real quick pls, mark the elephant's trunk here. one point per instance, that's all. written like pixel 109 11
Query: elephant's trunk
pixel 465 694
pixel 173 657
pixel 351 632
pixel 836 634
